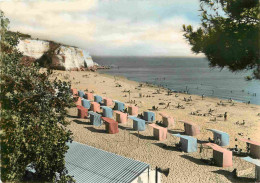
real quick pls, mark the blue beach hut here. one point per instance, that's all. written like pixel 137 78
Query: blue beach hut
pixel 188 143
pixel 98 99
pixel 149 116
pixel 95 118
pixel 256 162
pixel 81 93
pixel 107 112
pixel 138 124
pixel 119 106
pixel 223 136
pixel 86 103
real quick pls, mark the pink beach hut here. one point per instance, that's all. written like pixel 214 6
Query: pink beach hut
pixel 74 91
pixel 95 107
pixel 111 125
pixel 78 101
pixel 221 156
pixel 159 133
pixel 108 101
pixel 82 112
pixel 121 117
pixel 133 110
pixel 167 120
pixel 89 96
pixel 254 148
pixel 190 128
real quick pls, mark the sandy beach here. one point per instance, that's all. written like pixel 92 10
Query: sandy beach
pixel 184 167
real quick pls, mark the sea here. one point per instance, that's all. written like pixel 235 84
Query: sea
pixel 183 74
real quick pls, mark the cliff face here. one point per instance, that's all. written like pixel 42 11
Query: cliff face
pixel 54 55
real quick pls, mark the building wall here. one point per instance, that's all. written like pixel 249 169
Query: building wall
pixel 144 178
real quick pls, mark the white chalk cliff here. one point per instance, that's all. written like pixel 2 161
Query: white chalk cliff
pixel 55 55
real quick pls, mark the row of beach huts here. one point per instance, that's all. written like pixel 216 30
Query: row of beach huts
pixel 101 109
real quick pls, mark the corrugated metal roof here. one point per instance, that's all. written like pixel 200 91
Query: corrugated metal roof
pixel 89 164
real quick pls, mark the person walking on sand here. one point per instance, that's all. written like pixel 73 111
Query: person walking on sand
pixel 168 106
pixel 225 116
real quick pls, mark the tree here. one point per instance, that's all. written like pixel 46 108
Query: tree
pixel 228 35
pixel 33 111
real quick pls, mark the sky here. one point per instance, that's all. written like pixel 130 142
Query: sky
pixel 109 27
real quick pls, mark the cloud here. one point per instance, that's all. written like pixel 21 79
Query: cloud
pixel 125 27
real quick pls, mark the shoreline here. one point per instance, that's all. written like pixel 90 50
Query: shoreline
pixel 152 151
pixel 173 90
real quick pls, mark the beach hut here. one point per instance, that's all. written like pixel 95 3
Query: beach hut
pixel 121 117
pixel 119 106
pixel 133 110
pixel 108 101
pixel 190 128
pixel 221 156
pixel 86 103
pixel 89 96
pixel 95 107
pixel 107 112
pixel 160 133
pixel 81 93
pixel 78 100
pixel 222 136
pixel 82 112
pixel 149 116
pixel 74 91
pixel 256 162
pixel 138 124
pixel 111 125
pixel 98 99
pixel 91 165
pixel 254 148
pixel 95 118
pixel 167 120
pixel 188 143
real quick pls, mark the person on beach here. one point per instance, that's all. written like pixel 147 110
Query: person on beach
pixel 218 141
pixel 202 96
pixel 225 116
pixel 168 106
pixel 248 147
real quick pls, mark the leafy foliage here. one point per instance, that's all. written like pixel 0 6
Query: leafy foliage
pixel 32 117
pixel 229 34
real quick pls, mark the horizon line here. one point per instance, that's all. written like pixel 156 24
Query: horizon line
pixel 146 56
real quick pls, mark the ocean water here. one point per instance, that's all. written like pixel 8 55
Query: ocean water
pixel 185 74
